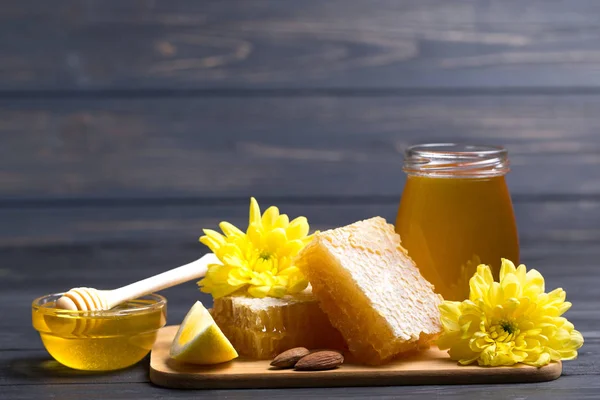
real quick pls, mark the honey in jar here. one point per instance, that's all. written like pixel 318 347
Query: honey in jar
pixel 456 213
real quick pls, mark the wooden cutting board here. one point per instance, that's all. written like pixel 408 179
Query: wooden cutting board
pixel 431 367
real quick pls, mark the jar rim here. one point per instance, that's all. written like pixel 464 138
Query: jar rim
pixel 157 302
pixel 456 160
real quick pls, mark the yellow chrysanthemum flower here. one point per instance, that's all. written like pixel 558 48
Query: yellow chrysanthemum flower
pixel 260 260
pixel 466 271
pixel 508 322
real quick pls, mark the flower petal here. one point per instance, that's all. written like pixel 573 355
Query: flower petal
pixel 509 321
pixel 298 228
pixel 282 221
pixel 506 267
pixel 210 243
pixel 450 312
pixel 254 212
pixel 229 229
pixel 259 291
pixel 276 239
pixel 215 236
pixel 269 217
pixel 480 282
pixel 260 260
pixel 510 285
pixel 535 283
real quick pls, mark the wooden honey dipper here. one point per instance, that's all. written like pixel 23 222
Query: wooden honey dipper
pixel 89 299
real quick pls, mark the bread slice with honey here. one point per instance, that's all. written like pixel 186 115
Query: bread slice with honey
pixel 371 290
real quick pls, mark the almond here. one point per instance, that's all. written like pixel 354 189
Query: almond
pixel 320 361
pixel 289 358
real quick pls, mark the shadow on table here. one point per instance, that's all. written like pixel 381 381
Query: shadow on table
pixel 46 370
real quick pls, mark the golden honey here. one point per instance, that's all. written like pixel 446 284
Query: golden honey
pixel 455 213
pixel 100 340
pixel 371 291
pixel 262 328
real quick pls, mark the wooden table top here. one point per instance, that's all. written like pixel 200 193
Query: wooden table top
pixel 26 370
pixel 128 127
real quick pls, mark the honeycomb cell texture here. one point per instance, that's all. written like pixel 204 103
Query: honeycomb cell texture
pixel 371 290
pixel 262 328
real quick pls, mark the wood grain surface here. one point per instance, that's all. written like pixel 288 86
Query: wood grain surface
pixel 240 44
pixel 549 220
pixel 24 363
pixel 428 367
pixel 313 146
pixel 127 127
pixel 571 266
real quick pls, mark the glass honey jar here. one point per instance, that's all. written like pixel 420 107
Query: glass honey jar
pixel 456 213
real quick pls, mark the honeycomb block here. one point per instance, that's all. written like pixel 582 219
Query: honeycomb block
pixel 263 328
pixel 371 290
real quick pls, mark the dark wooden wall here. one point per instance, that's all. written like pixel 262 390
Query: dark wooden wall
pixel 128 126
pixel 144 120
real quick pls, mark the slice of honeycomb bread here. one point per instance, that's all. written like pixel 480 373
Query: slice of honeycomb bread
pixel 371 290
pixel 263 328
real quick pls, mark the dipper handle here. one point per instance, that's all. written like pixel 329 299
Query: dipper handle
pixel 88 299
pixel 194 270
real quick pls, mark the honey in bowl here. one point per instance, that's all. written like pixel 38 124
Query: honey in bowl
pixel 99 340
pixel 456 213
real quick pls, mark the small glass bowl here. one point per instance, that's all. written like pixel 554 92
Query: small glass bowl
pixel 99 340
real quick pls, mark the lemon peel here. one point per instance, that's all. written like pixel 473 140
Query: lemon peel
pixel 200 341
pixel 259 261
pixel 508 322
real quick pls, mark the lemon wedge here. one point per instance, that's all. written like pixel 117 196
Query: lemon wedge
pixel 200 341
